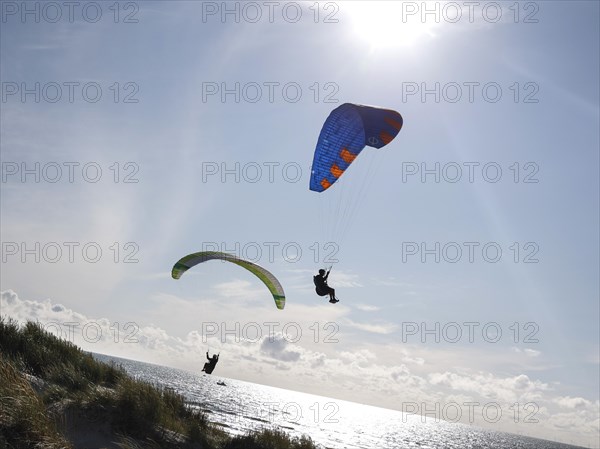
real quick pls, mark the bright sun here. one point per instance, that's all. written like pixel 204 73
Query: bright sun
pixel 385 24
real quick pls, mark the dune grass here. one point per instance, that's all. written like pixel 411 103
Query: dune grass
pixel 44 355
pixel 69 380
pixel 24 421
pixel 269 439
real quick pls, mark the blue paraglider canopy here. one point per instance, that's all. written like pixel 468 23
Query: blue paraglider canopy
pixel 347 130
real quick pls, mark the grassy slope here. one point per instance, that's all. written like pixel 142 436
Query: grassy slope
pixel 54 395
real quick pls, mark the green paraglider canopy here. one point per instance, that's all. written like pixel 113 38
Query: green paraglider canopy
pixel 268 279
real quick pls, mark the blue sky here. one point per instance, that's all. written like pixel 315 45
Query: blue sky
pixel 176 130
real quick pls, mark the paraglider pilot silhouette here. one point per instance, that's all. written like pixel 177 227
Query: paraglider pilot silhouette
pixel 322 288
pixel 212 362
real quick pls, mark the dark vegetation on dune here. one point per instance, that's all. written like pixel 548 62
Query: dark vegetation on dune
pixel 54 395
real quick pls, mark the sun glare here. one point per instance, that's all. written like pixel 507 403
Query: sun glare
pixel 385 24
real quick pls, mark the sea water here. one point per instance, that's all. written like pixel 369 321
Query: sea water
pixel 242 406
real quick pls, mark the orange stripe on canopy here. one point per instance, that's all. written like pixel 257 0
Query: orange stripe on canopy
pixel 387 138
pixel 347 156
pixel 336 171
pixel 325 184
pixel 393 123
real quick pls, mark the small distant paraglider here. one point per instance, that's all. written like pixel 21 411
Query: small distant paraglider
pixel 212 362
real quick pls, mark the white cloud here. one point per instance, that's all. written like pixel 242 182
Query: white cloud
pixel 528 352
pixel 486 385
pixel 279 349
pixel 376 328
pixel 573 403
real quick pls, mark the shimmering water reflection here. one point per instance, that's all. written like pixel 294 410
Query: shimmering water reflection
pixel 242 406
